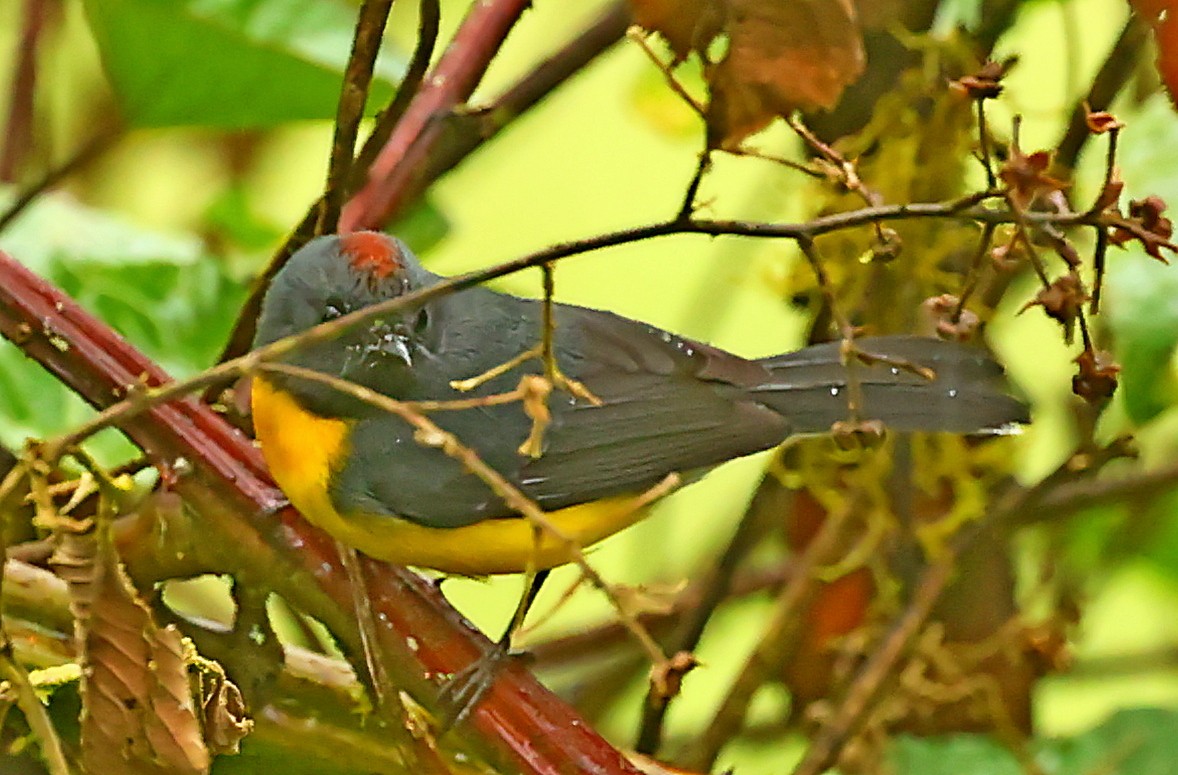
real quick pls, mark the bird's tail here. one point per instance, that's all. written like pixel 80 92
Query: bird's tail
pixel 968 395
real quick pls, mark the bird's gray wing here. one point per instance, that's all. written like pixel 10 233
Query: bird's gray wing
pixel 668 405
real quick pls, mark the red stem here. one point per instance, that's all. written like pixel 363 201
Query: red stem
pixel 520 721
pixel 19 128
pixel 453 80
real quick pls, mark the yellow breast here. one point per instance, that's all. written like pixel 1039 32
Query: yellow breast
pixel 303 451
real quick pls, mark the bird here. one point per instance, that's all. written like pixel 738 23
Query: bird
pixel 655 403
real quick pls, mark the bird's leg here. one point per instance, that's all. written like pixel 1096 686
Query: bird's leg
pixel 366 625
pixel 463 691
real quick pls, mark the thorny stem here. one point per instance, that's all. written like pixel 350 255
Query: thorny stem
pixel 430 434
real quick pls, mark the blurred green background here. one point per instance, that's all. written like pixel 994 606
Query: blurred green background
pixel 162 235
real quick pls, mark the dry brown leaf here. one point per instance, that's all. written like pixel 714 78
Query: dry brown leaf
pixel 138 714
pixel 781 57
pixel 687 25
pixel 222 709
pixel 1162 15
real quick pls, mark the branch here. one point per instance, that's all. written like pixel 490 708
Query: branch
pixel 18 130
pixel 453 80
pixel 461 133
pixel 222 475
pixel 353 96
pixel 963 209
pixel 713 589
pixel 90 151
pixel 777 638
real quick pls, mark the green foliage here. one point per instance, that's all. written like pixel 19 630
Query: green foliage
pixel 159 291
pixel 1138 741
pixel 952 755
pixel 1142 312
pixel 228 63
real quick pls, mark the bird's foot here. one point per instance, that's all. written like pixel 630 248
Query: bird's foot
pixel 464 690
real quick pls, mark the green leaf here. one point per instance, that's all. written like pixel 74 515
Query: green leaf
pixel 229 63
pixel 1138 741
pixel 1141 307
pixel 952 755
pixel 159 291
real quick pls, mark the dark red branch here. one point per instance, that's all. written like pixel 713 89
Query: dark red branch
pixel 457 74
pixel 521 723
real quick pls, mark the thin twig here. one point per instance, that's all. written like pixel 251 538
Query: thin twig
pixel 846 330
pixel 36 715
pixel 777 638
pixel 382 687
pixel 713 589
pixel 370 24
pixel 639 36
pixel 687 209
pixel 974 274
pixel 1100 251
pixel 984 144
pixel 852 711
pixel 90 151
pixel 848 172
pixel 966 208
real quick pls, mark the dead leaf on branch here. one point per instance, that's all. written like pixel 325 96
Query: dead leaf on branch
pixel 781 56
pixel 138 712
pixel 1162 16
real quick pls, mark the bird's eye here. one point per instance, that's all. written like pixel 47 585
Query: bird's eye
pixel 421 322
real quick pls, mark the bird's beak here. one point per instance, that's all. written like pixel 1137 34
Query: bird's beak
pixel 394 341
pixel 399 347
